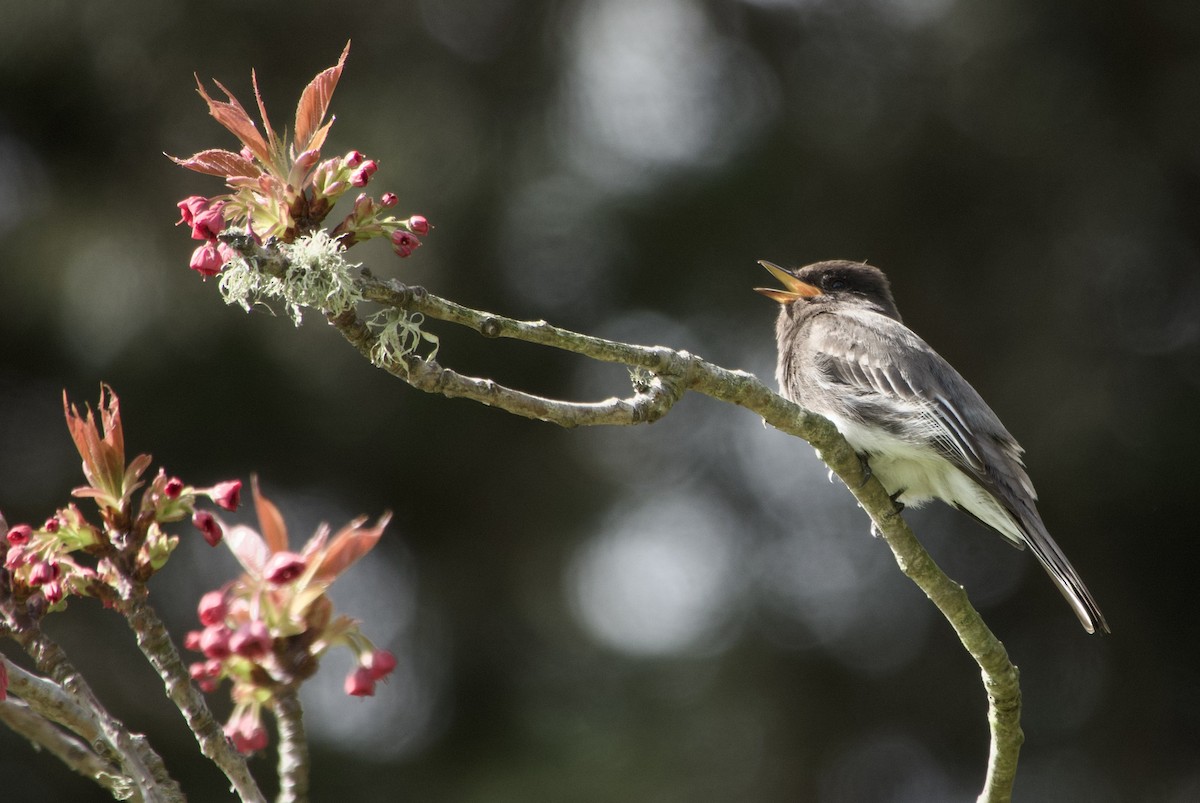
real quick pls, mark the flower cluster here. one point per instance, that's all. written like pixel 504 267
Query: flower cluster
pixel 269 627
pixel 68 554
pixel 282 191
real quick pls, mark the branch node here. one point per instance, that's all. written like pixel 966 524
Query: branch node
pixel 490 327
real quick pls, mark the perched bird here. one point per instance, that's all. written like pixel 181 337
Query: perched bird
pixel 919 426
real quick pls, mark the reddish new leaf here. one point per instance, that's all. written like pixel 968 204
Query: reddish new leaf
pixel 314 104
pixel 272 140
pixel 351 543
pixel 270 521
pixel 231 115
pixel 219 162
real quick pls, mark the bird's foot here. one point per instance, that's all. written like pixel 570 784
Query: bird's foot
pixel 866 469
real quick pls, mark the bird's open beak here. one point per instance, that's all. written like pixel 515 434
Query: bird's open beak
pixel 795 288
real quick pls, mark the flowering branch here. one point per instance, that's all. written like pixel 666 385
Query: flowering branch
pixel 272 248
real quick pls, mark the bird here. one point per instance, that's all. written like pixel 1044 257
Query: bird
pixel 916 424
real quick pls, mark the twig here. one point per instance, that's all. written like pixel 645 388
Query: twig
pixel 21 718
pixel 293 746
pixel 143 768
pixel 156 645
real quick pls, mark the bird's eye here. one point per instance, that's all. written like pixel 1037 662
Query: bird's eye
pixel 835 284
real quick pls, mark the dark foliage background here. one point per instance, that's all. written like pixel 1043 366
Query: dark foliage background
pixel 689 610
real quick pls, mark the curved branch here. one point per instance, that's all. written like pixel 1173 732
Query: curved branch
pixel 680 369
pixel 671 373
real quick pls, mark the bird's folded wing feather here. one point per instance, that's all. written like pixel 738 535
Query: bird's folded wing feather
pixel 887 365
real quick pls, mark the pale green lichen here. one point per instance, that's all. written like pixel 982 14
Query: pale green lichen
pixel 398 334
pixel 318 277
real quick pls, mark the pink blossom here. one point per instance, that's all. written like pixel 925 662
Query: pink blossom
pixel 43 572
pixel 246 732
pixel 54 591
pixel 52 524
pixel 207 524
pixel 251 640
pixel 212 608
pixel 208 223
pixel 359 683
pixel 362 175
pixel 173 488
pixel 192 640
pixel 188 208
pixel 418 224
pixel 379 664
pixel 388 200
pixel 353 159
pixel 214 642
pixel 308 159
pixel 283 567
pixel 404 243
pixel 227 494
pixel 208 259
pixel 20 534
pixel 19 555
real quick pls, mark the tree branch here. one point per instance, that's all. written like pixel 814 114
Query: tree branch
pixel 144 771
pixel 293 746
pixel 155 643
pixel 32 709
pixel 660 377
pixel 674 372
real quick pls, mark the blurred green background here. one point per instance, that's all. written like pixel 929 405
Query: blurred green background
pixel 686 611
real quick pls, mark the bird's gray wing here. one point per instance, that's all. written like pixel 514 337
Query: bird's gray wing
pixel 885 365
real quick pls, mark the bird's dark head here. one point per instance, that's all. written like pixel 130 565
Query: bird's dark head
pixel 822 283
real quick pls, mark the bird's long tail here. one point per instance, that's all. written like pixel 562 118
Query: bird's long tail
pixel 1063 574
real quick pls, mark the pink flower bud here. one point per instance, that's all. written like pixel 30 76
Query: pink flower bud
pixel 359 683
pixel 54 591
pixel 214 642
pixel 20 534
pixel 207 524
pixel 18 555
pixel 283 567
pixel 362 175
pixel 207 260
pixel 379 664
pixel 173 488
pixel 418 224
pixel 404 243
pixel 43 572
pixel 308 159
pixel 52 524
pixel 252 640
pixel 192 640
pixel 208 223
pixel 353 159
pixel 247 154
pixel 388 200
pixel 227 494
pixel 212 608
pixel 189 207
pixel 246 732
